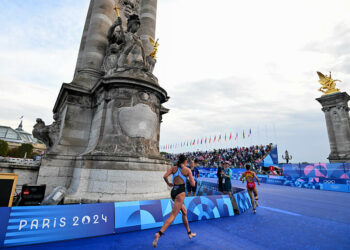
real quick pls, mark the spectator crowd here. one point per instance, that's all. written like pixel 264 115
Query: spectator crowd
pixel 238 156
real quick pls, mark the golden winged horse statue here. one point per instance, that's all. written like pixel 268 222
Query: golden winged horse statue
pixel 328 84
pixel 155 47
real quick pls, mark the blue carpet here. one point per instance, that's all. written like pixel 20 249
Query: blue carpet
pixel 288 218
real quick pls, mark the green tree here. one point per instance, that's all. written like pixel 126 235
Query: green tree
pixel 4 148
pixel 20 151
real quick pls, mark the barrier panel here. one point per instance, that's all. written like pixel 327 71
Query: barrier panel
pixel 140 215
pixel 28 225
pixel 242 201
pixel 240 197
pixel 322 176
pixel 325 170
pixel 4 217
pixel 38 224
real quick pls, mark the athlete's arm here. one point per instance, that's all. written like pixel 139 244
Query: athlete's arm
pixel 166 175
pixel 242 176
pixel 190 177
pixel 257 179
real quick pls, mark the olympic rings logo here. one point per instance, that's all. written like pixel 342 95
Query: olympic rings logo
pixel 329 181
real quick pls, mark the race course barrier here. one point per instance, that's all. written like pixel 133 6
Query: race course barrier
pixel 28 225
pixel 321 176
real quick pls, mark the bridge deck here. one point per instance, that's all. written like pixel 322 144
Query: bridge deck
pixel 288 218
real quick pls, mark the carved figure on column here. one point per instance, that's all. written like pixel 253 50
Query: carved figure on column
pixel 125 52
pixel 42 132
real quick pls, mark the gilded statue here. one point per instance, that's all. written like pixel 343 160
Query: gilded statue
pixel 328 84
pixel 155 48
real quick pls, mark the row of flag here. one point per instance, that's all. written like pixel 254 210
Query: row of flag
pixel 204 140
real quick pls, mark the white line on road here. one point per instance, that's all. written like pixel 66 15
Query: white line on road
pixel 280 211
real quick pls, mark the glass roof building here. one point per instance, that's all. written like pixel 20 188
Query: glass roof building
pixel 17 135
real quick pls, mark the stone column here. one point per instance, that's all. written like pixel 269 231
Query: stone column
pixel 336 109
pixel 148 15
pixel 83 39
pixel 94 42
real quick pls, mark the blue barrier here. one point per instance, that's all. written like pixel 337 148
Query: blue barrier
pixel 41 224
pixel 4 217
pixel 38 224
pixel 139 215
pixel 326 170
pixel 243 201
pixel 322 176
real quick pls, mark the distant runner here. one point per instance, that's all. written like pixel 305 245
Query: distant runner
pixel 195 174
pixel 250 176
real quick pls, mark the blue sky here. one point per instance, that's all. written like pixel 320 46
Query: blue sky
pixel 227 67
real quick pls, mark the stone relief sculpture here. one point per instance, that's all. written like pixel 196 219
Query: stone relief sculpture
pixel 47 134
pixel 129 7
pixel 42 132
pixel 125 52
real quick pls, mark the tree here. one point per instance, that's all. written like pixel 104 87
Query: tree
pixel 20 151
pixel 4 148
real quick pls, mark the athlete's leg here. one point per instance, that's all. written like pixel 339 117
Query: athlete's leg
pixel 188 189
pixel 179 201
pixel 185 222
pixel 255 191
pixel 251 198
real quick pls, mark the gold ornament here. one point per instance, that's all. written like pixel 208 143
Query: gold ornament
pixel 328 84
pixel 155 48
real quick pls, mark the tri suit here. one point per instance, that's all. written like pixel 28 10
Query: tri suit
pixel 178 189
pixel 249 176
pixel 189 187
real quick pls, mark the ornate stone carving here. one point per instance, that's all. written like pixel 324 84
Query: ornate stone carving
pixel 129 7
pixel 138 121
pixel 41 132
pixel 125 55
pixel 47 134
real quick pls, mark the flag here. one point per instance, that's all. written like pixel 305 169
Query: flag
pixel 197 141
pixel 201 140
pixel 225 136
pixel 194 142
pixel 219 138
pixel 250 132
pixel 230 136
pixel 187 144
pixel 209 139
pixel 214 139
pixel 205 140
pixel 236 136
pixel 243 135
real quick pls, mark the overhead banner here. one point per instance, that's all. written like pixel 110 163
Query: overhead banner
pixel 39 224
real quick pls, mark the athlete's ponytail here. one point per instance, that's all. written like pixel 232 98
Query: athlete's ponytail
pixel 182 159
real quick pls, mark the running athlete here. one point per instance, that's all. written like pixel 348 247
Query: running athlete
pixel 250 176
pixel 195 174
pixel 180 173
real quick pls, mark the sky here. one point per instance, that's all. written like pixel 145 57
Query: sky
pixel 227 65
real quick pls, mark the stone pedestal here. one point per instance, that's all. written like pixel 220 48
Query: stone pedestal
pixel 336 110
pixel 107 145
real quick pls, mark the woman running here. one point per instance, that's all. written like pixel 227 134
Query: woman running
pixel 180 173
pixel 251 188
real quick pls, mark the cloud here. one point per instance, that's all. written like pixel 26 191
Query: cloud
pixel 227 67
